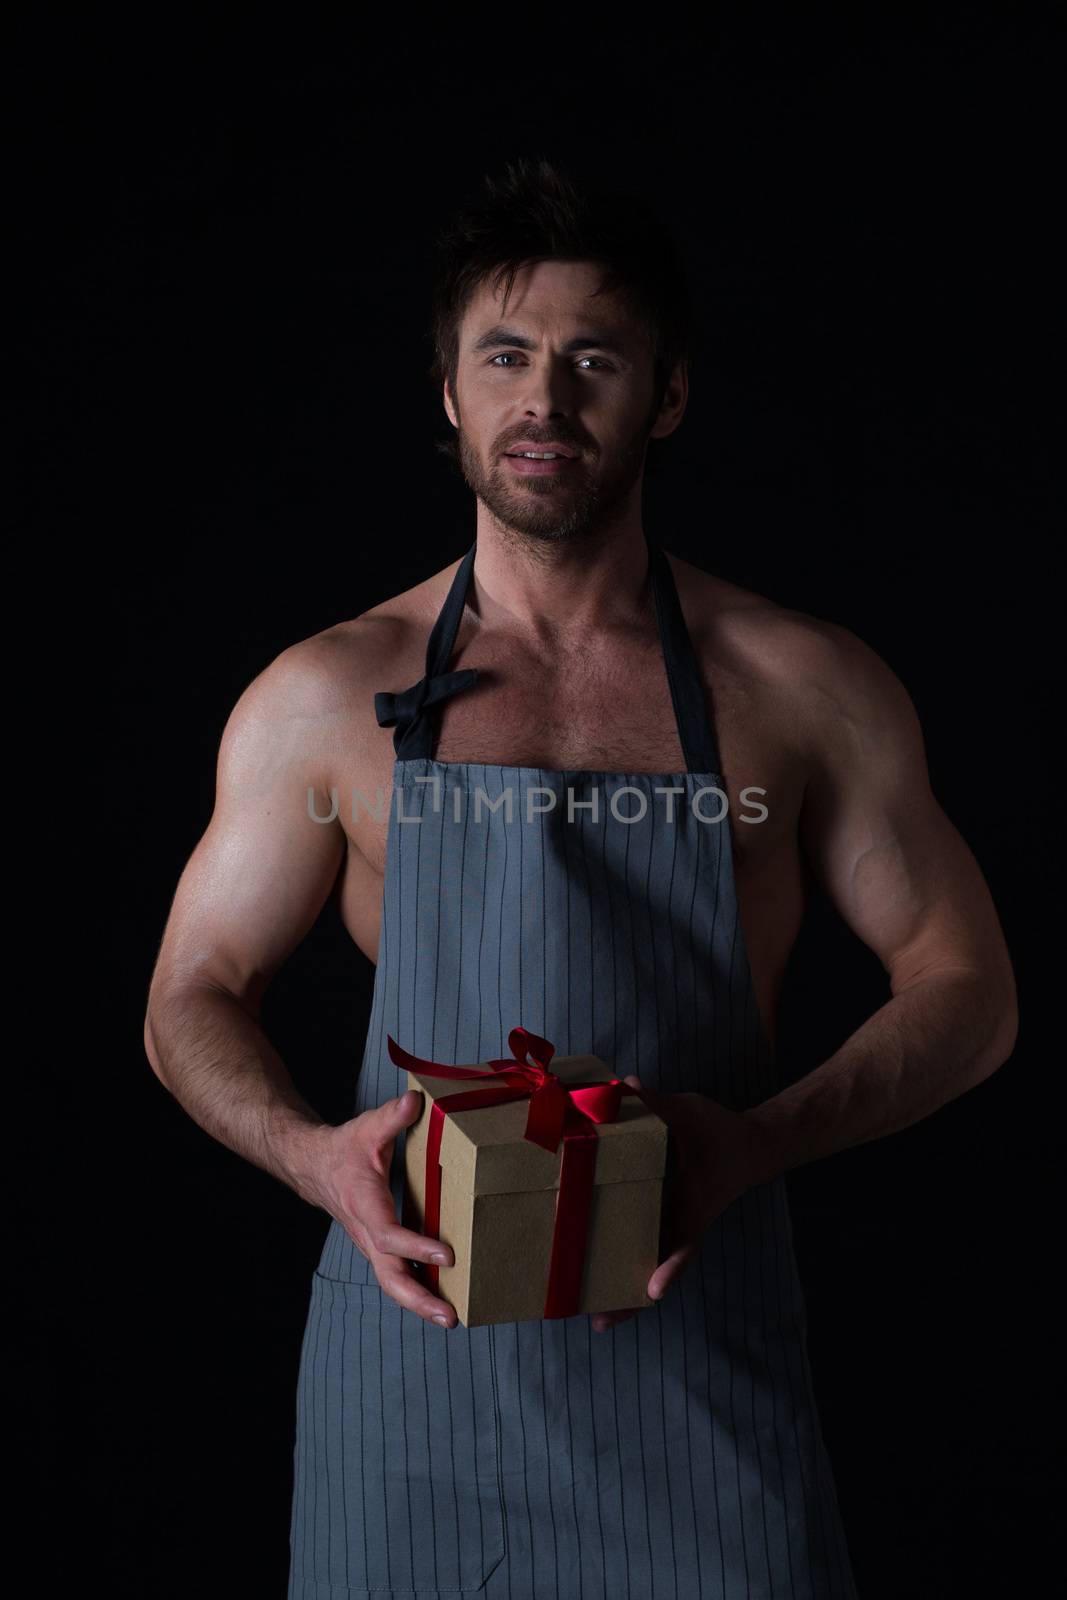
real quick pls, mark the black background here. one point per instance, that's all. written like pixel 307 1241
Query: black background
pixel 233 448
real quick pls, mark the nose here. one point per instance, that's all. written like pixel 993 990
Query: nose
pixel 548 391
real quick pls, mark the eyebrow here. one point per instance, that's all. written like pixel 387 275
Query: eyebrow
pixel 499 335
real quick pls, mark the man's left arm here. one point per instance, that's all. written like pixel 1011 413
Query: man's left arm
pixel 907 884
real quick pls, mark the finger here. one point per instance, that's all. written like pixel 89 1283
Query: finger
pixel 384 1235
pixel 651 1097
pixel 394 1240
pixel 392 1115
pixel 396 1279
pixel 635 1083
pixel 603 1320
pixel 668 1270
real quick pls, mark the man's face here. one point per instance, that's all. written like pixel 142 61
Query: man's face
pixel 561 368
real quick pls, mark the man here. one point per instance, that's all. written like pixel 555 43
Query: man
pixel 568 662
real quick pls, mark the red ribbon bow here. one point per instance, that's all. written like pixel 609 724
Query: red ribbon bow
pixel 557 1111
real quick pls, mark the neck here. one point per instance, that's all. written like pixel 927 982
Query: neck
pixel 569 590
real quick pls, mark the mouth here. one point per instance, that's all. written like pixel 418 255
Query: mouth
pixel 532 466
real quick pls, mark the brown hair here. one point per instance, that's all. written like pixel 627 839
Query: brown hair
pixel 537 211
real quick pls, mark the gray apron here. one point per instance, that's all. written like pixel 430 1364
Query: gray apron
pixel 679 1455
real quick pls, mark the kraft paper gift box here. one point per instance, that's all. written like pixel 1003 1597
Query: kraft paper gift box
pixel 498 1196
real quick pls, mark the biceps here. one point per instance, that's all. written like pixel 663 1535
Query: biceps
pixel 908 885
pixel 249 895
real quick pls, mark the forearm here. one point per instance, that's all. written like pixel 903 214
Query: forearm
pixel 223 1070
pixel 924 1047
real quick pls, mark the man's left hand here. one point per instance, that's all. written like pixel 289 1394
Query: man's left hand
pixel 718 1155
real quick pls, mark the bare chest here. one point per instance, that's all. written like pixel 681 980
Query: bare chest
pixel 610 715
pixel 595 715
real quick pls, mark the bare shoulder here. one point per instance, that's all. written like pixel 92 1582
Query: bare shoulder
pixel 385 645
pixel 322 672
pixel 315 699
pixel 820 676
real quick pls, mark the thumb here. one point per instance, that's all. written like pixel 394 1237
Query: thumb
pixel 404 1106
pixel 650 1097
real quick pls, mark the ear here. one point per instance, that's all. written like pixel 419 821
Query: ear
pixel 673 405
pixel 449 403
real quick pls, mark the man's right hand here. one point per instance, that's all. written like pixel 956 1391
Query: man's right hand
pixel 347 1174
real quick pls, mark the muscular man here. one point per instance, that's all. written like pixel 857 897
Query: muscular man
pixel 568 653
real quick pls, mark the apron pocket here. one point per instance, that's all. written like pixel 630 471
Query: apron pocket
pixel 396 1482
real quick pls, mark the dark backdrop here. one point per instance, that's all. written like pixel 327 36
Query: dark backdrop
pixel 236 452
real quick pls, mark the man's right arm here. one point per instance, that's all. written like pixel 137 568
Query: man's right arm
pixel 248 896
pixel 250 893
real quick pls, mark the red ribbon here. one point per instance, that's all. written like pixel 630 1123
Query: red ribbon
pixel 557 1111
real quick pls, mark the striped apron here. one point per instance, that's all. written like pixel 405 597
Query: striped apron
pixel 679 1455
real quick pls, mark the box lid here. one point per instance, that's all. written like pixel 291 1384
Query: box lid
pixel 487 1152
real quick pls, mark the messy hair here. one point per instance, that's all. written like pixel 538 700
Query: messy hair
pixel 536 211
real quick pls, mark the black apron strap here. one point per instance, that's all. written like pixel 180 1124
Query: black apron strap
pixel 415 730
pixel 414 736
pixel 695 732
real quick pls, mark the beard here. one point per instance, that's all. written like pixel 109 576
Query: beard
pixel 574 507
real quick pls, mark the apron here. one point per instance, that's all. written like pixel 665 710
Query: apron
pixel 679 1455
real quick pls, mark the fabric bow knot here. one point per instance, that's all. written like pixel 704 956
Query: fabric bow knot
pixel 555 1108
pixel 405 706
pixel 553 1103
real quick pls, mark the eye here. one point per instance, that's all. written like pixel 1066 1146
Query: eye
pixel 509 355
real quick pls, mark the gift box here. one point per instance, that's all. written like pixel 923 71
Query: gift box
pixel 545 1176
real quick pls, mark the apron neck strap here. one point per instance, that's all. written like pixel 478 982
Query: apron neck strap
pixel 442 640
pixel 695 732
